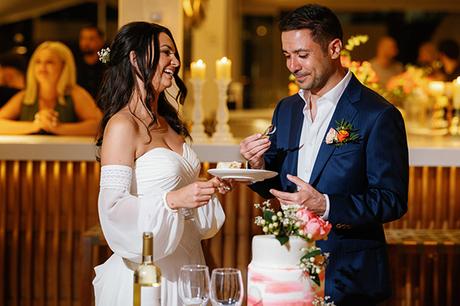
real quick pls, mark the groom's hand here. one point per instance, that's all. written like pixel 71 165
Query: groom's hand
pixel 253 148
pixel 306 196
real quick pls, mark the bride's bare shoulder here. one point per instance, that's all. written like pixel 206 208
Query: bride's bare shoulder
pixel 120 140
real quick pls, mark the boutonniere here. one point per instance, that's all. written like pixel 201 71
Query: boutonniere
pixel 343 133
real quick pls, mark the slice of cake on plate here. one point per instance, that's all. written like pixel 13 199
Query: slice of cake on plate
pixel 229 165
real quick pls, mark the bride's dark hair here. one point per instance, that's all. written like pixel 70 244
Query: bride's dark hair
pixel 119 84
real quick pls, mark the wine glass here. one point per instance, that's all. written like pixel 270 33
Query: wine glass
pixel 226 287
pixel 194 285
pixel 188 213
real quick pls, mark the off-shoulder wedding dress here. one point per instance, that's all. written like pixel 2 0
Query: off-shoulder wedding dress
pixel 131 201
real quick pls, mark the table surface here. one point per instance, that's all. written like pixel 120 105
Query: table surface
pixel 423 150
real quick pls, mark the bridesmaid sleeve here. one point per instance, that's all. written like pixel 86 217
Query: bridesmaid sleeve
pixel 124 217
pixel 210 218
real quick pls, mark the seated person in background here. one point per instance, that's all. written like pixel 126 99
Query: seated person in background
pixel 449 52
pixel 12 75
pixel 427 54
pixel 428 59
pixel 52 102
pixel 89 68
pixel 384 63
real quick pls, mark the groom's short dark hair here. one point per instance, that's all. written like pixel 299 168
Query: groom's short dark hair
pixel 320 20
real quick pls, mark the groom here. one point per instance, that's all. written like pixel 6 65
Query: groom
pixel 340 149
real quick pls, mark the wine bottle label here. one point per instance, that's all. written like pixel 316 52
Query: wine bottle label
pixel 151 296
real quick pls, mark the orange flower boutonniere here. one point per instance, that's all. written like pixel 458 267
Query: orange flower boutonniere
pixel 343 133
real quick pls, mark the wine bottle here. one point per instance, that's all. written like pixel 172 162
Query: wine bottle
pixel 147 277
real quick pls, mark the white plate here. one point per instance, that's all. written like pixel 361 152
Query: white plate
pixel 243 175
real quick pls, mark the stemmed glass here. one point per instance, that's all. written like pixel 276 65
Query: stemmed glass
pixel 194 285
pixel 188 213
pixel 226 287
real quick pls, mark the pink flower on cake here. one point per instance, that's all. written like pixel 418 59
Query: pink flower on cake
pixel 314 227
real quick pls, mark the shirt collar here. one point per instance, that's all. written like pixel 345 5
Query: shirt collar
pixel 333 95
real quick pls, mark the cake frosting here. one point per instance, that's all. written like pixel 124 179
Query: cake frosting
pixel 274 276
pixel 229 165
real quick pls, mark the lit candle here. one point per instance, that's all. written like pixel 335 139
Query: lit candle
pixel 198 70
pixel 224 69
pixel 456 93
pixel 436 88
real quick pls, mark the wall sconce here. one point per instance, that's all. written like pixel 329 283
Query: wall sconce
pixel 194 11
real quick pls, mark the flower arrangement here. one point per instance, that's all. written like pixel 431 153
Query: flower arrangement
pixel 398 88
pixel 104 55
pixel 295 220
pixel 404 83
pixel 342 134
pixel 362 70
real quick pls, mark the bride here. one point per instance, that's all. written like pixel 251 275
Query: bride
pixel 149 175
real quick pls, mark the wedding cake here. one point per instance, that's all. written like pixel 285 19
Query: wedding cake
pixel 274 275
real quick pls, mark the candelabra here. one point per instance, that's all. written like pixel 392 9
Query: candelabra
pixel 455 123
pixel 222 133
pixel 198 134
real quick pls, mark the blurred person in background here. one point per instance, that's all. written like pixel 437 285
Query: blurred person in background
pixel 449 52
pixel 427 54
pixel 428 59
pixel 384 62
pixel 89 68
pixel 52 102
pixel 12 76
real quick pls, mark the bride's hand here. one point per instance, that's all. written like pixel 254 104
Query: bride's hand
pixel 193 195
pixel 224 186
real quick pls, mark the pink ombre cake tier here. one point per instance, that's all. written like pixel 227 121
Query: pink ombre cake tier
pixel 274 276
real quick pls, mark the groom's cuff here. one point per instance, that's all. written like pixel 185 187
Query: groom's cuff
pixel 325 216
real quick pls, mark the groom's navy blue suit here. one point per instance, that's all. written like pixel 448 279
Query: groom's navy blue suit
pixel 366 183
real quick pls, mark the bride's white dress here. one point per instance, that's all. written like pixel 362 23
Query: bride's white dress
pixel 131 201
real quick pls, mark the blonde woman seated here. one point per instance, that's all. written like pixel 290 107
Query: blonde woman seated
pixel 52 102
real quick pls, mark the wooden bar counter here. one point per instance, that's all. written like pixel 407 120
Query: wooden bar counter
pixel 48 200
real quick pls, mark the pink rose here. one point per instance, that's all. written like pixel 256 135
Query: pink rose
pixel 304 215
pixel 312 224
pixel 331 136
pixel 318 228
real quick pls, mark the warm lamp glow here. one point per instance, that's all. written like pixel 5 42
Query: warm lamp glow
pixel 436 88
pixel 456 93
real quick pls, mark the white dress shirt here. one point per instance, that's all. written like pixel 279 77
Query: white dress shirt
pixel 314 131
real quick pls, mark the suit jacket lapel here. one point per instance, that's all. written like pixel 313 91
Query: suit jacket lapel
pixel 297 118
pixel 345 110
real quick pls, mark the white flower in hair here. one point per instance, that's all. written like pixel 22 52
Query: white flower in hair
pixel 104 55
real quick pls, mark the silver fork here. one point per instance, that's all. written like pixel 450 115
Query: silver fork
pixel 270 130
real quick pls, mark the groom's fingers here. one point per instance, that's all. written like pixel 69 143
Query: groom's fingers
pixel 253 144
pixel 251 138
pixel 284 202
pixel 284 196
pixel 296 180
pixel 258 152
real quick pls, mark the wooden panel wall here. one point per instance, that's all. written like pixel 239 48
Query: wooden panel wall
pixel 46 206
pixel 434 199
